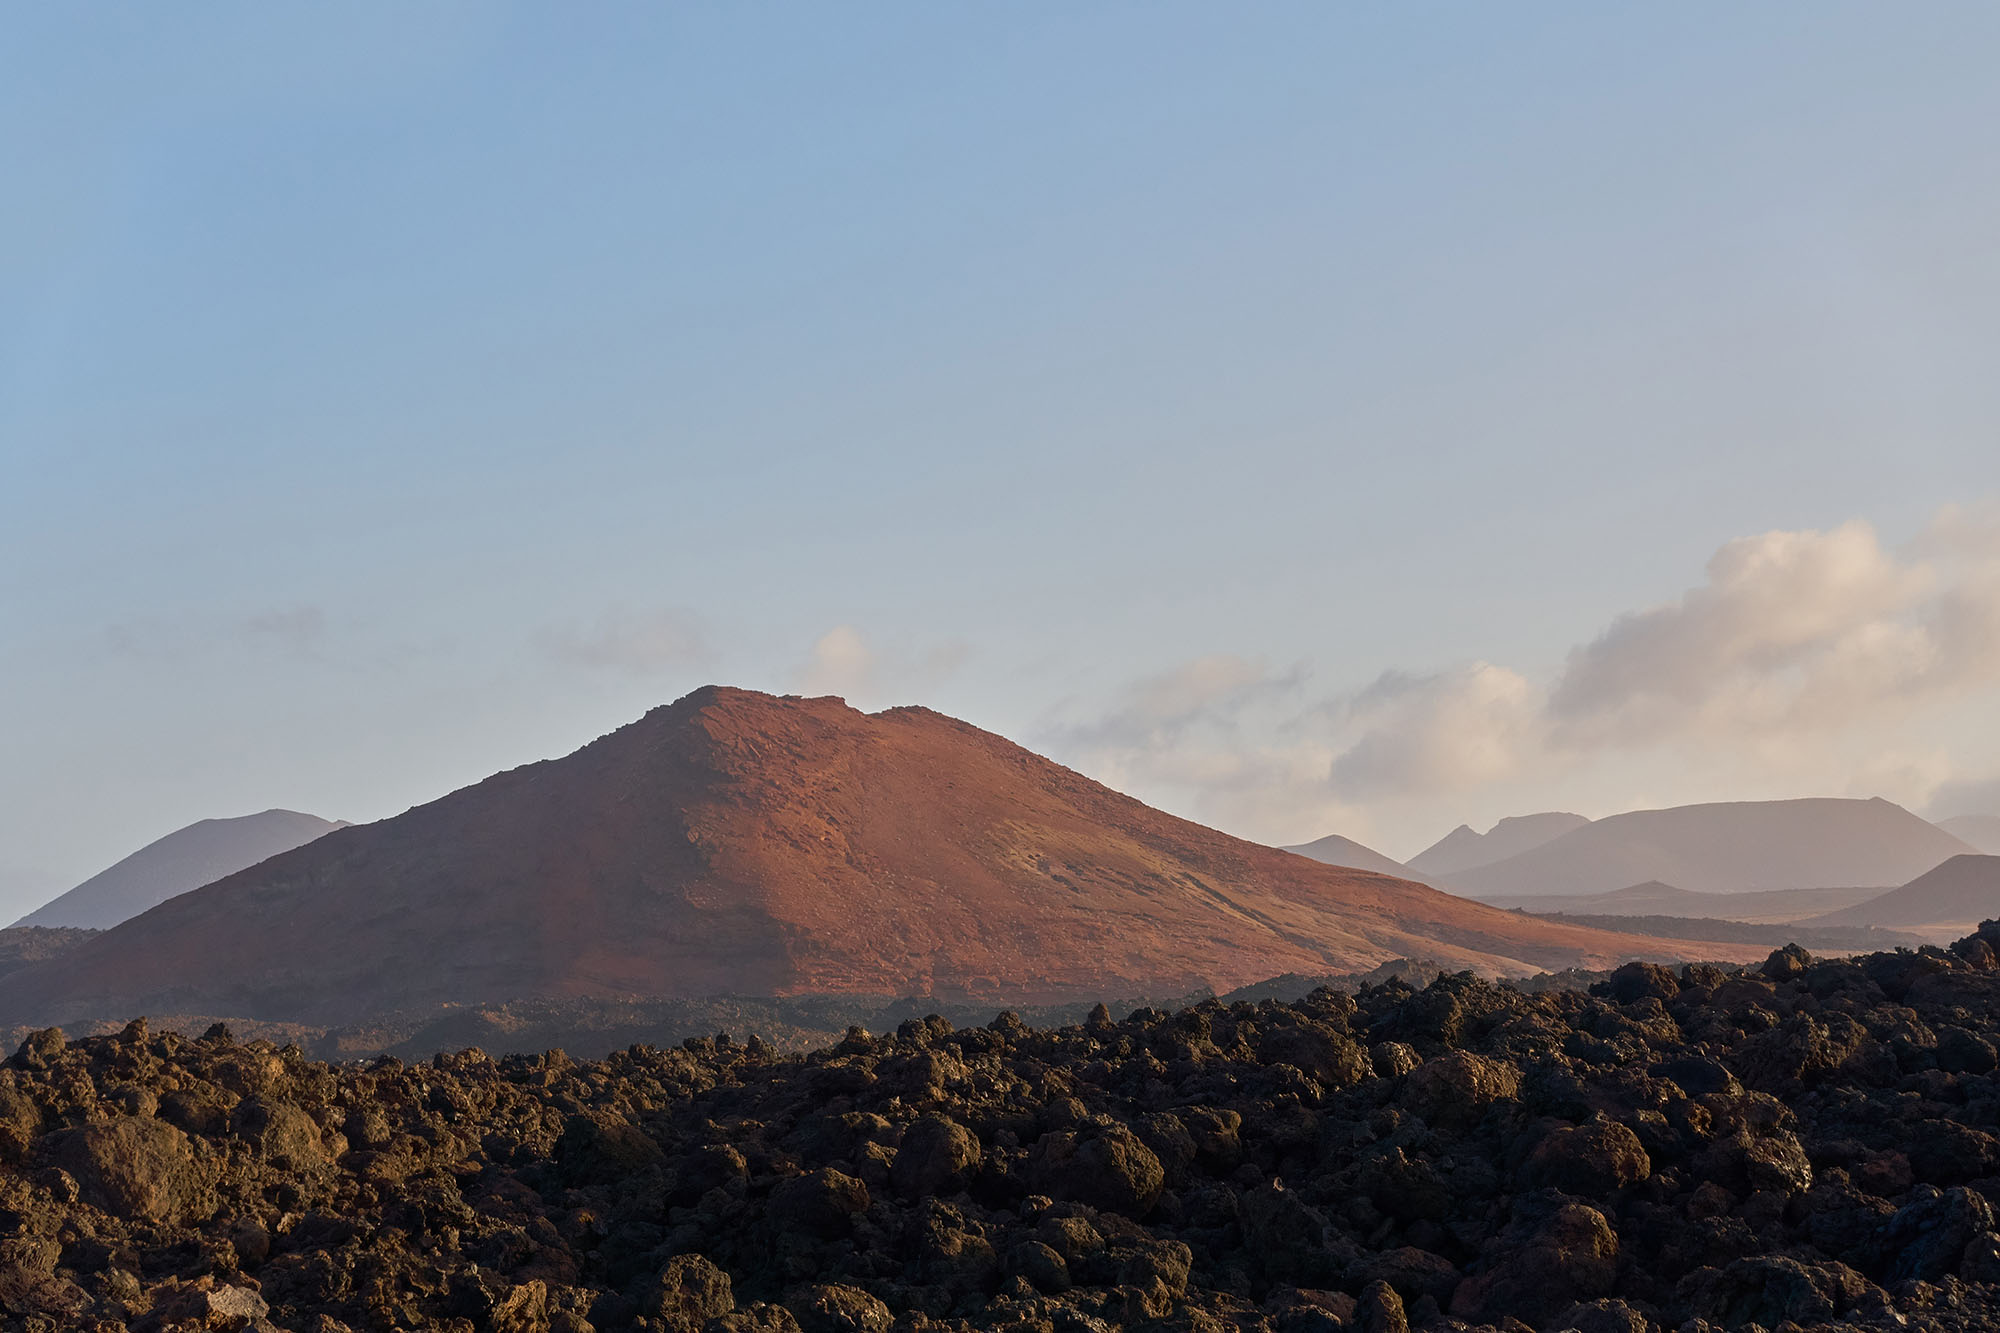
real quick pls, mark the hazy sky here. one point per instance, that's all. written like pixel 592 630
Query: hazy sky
pixel 1308 417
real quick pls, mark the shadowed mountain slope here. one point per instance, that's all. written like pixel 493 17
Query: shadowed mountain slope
pixel 1462 849
pixel 186 859
pixel 1963 889
pixel 1726 848
pixel 737 843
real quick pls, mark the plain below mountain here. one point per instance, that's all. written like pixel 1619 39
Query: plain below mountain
pixel 1981 831
pixel 1766 907
pixel 1335 850
pixel 1463 849
pixel 1727 847
pixel 1819 939
pixel 1963 889
pixel 186 859
pixel 735 843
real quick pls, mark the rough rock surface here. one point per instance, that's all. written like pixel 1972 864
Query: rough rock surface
pixel 1803 1144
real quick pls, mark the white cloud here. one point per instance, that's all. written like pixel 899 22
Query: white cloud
pixel 841 663
pixel 1963 532
pixel 1798 658
pixel 1442 732
pixel 1221 739
pixel 1792 635
pixel 1209 691
pixel 1907 775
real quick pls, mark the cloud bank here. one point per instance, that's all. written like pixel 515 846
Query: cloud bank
pixel 1792 645
pixel 1792 633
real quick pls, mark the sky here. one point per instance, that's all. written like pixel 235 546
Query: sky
pixel 1307 418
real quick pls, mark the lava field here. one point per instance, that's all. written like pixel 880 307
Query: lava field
pixel 1804 1144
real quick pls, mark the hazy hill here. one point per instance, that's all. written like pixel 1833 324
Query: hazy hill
pixel 1727 848
pixel 1462 849
pixel 1981 831
pixel 1965 889
pixel 1335 850
pixel 1768 906
pixel 199 854
pixel 736 843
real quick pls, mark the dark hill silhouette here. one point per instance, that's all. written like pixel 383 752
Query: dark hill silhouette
pixel 186 859
pixel 1963 889
pixel 1462 849
pixel 737 843
pixel 1335 850
pixel 1726 848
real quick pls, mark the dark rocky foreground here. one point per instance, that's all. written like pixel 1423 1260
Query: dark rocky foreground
pixel 1812 1144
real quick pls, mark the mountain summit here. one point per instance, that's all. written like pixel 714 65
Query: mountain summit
pixel 738 843
pixel 1462 848
pixel 1336 850
pixel 188 858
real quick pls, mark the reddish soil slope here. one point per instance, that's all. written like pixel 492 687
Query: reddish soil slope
pixel 737 843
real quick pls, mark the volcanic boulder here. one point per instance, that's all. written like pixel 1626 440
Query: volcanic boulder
pixel 140 1170
pixel 935 1157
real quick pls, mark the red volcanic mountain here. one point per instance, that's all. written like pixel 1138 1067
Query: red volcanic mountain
pixel 737 843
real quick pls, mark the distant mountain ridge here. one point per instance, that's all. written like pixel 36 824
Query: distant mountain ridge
pixel 1463 849
pixel 738 843
pixel 185 859
pixel 1728 847
pixel 1336 850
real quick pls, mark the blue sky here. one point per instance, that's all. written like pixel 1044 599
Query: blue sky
pixel 1217 398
